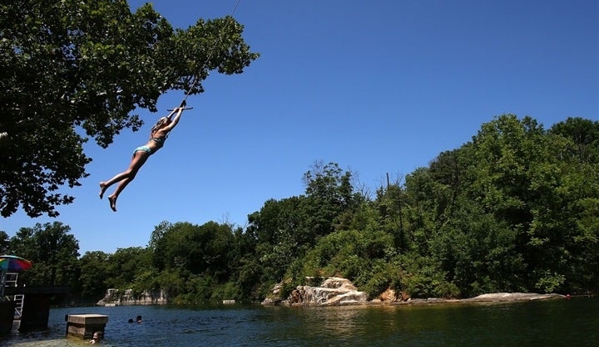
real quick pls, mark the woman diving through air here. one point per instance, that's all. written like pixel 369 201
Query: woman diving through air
pixel 158 135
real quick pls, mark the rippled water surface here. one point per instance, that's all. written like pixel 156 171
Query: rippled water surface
pixel 556 323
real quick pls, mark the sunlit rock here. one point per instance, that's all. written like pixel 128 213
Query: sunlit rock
pixel 387 296
pixel 494 297
pixel 114 298
pixel 333 291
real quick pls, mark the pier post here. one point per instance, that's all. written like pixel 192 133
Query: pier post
pixel 36 307
pixel 7 313
pixel 35 314
pixel 85 325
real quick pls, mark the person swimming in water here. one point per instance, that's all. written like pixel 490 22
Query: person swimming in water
pixel 96 338
pixel 158 135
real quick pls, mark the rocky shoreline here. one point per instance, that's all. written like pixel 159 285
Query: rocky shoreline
pixel 114 298
pixel 333 291
pixel 336 291
pixel 484 298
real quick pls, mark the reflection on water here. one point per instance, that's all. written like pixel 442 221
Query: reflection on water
pixel 549 323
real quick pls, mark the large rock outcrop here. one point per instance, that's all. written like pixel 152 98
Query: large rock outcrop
pixel 333 291
pixel 336 291
pixel 502 297
pixel 114 298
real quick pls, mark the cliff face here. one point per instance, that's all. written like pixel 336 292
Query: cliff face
pixel 113 298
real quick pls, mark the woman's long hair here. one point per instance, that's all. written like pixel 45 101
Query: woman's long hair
pixel 158 125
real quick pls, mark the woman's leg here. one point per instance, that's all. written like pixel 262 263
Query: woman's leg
pixel 139 158
pixel 124 177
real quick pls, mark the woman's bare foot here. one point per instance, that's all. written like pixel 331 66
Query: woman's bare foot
pixel 112 200
pixel 103 187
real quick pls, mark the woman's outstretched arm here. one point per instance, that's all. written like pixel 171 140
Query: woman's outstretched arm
pixel 175 120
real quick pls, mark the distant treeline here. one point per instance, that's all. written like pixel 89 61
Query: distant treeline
pixel 515 209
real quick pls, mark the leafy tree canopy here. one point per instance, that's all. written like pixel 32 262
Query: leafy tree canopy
pixel 74 70
pixel 52 249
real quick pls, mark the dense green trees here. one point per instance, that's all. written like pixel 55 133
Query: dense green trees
pixel 74 70
pixel 514 209
pixel 94 274
pixel 53 250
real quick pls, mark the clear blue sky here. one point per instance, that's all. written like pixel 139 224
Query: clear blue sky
pixel 378 87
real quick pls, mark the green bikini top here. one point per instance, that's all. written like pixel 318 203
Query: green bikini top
pixel 159 140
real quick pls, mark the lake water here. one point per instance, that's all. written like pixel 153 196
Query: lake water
pixel 559 323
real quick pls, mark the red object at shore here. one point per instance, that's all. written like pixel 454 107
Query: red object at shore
pixel 12 263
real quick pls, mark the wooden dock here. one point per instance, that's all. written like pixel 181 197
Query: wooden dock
pixel 36 307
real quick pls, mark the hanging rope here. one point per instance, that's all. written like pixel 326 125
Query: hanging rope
pixel 210 53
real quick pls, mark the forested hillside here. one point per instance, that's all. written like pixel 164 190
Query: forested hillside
pixel 515 208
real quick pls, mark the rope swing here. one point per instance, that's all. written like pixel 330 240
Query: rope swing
pixel 158 135
pixel 210 53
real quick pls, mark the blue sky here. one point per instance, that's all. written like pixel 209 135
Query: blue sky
pixel 380 86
